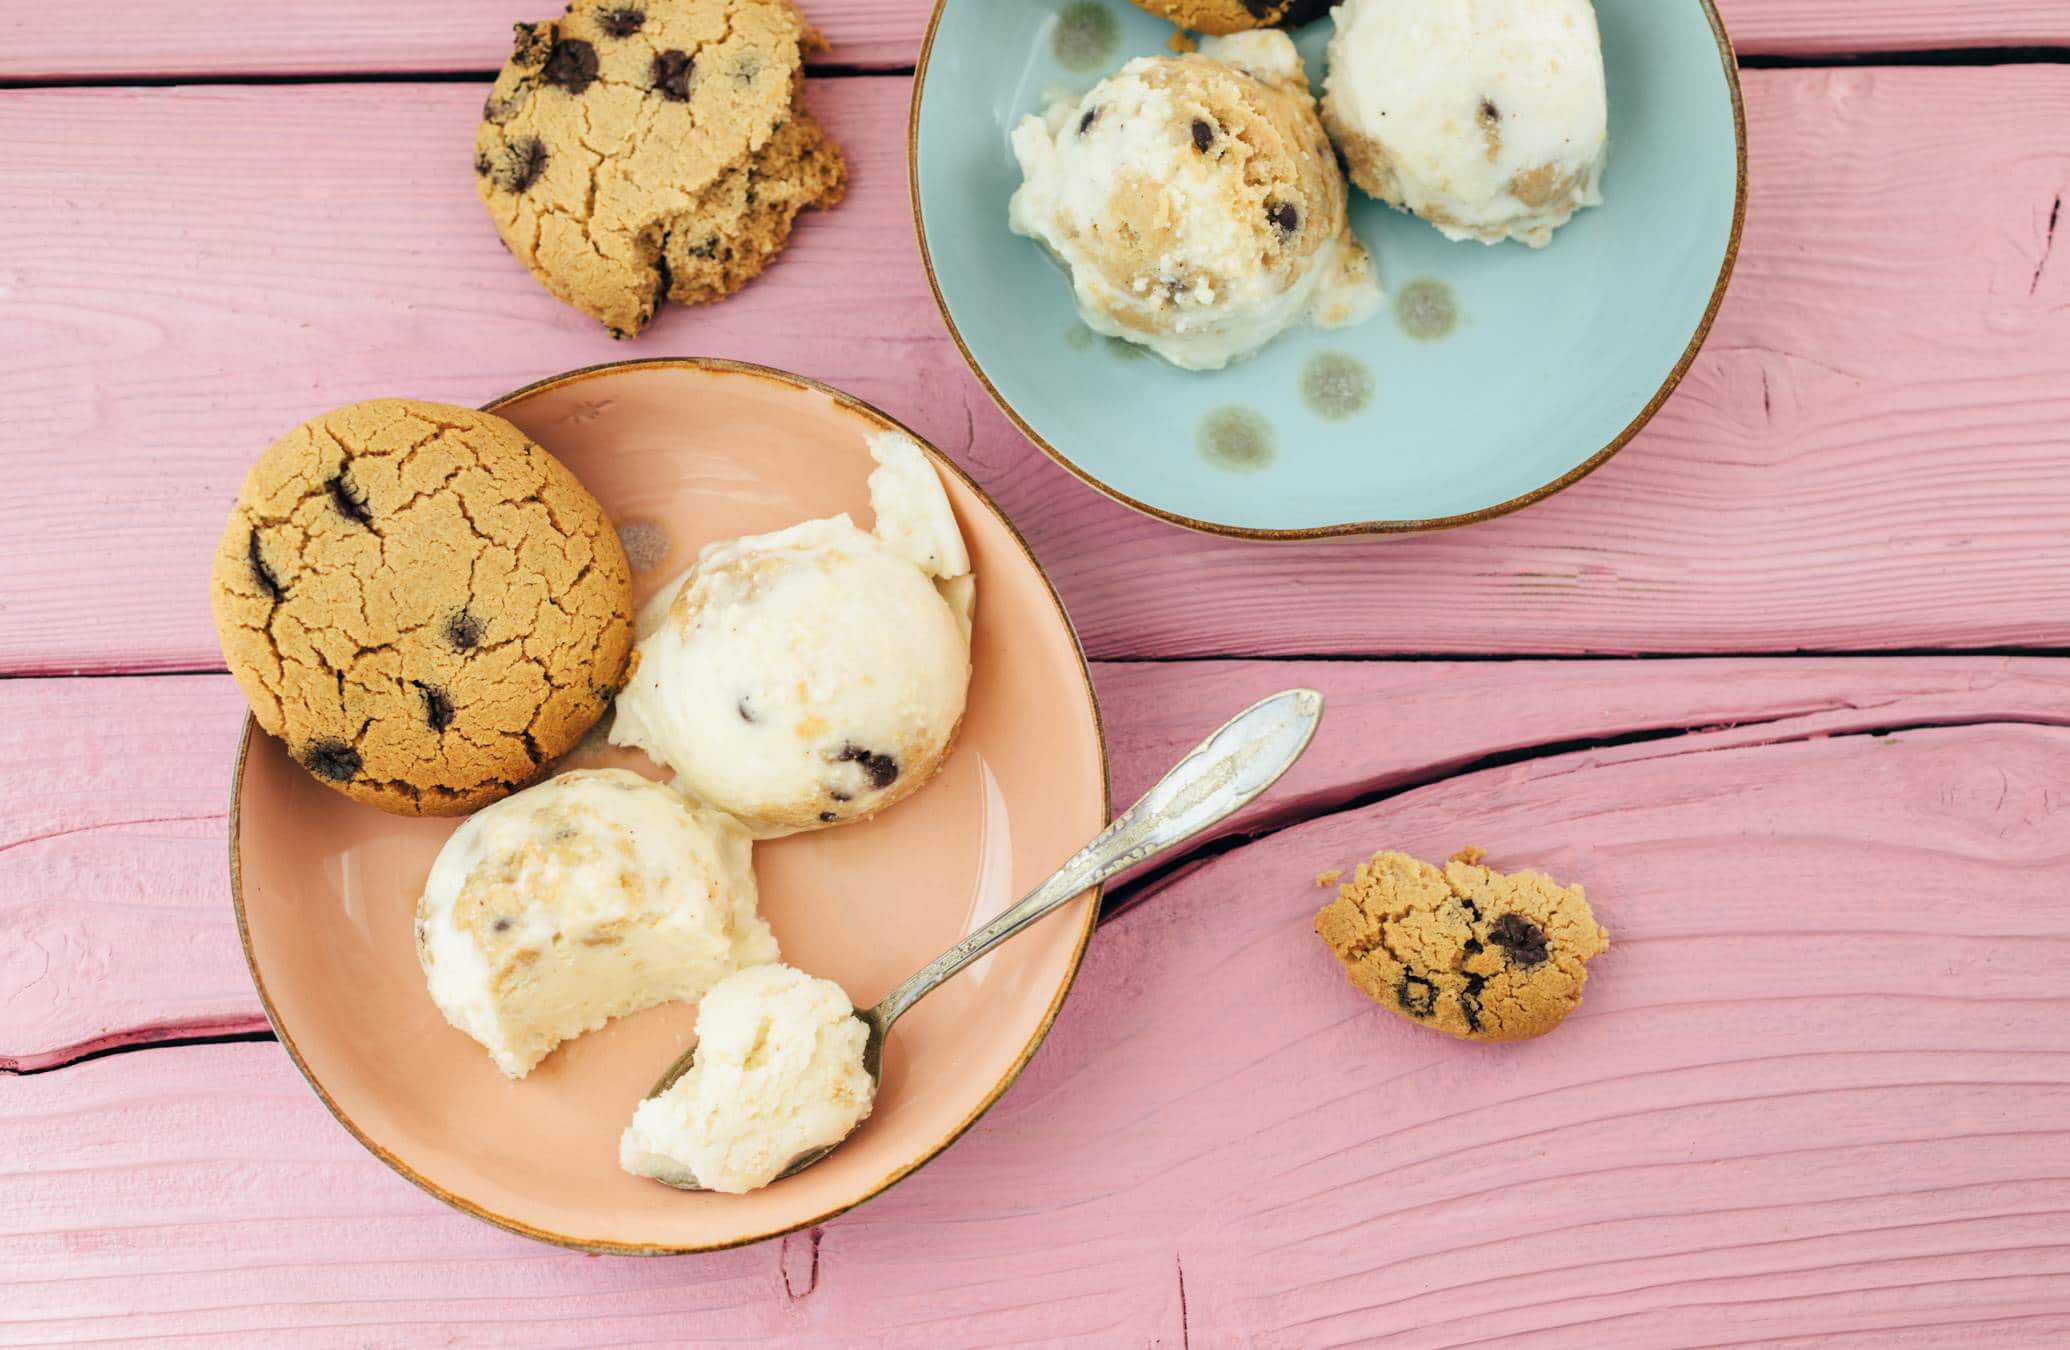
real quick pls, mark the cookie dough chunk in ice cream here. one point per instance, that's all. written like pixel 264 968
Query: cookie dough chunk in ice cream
pixel 588 897
pixel 816 675
pixel 1196 202
pixel 778 1072
pixel 1488 118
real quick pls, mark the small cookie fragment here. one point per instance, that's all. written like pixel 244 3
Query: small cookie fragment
pixel 1218 17
pixel 424 605
pixel 631 152
pixel 1464 949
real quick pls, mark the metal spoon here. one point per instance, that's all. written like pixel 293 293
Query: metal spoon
pixel 1223 774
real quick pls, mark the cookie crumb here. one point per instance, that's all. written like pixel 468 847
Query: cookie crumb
pixel 1329 878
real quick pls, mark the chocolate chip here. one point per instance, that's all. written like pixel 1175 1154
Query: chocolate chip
pixel 463 630
pixel 573 65
pixel 1470 1001
pixel 840 796
pixel 263 574
pixel 1304 11
pixel 707 248
pixel 1203 135
pixel 621 22
pixel 438 707
pixel 1284 217
pixel 481 164
pixel 334 760
pixel 348 500
pixel 502 924
pixel 1417 995
pixel 747 714
pixel 1490 114
pixel 827 817
pixel 1523 940
pixel 670 75
pixel 1092 115
pixel 520 164
pixel 881 769
pixel 1262 9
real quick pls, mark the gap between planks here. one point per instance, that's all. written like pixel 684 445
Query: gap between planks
pixel 1392 730
pixel 1899 490
pixel 232 37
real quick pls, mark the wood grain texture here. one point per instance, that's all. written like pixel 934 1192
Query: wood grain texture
pixel 1818 1088
pixel 232 37
pixel 115 924
pixel 1873 451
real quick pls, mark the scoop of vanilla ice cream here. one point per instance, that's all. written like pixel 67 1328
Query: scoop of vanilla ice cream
pixel 1488 118
pixel 778 1071
pixel 1196 203
pixel 818 674
pixel 588 897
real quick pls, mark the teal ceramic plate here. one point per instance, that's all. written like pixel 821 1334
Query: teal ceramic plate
pixel 1554 358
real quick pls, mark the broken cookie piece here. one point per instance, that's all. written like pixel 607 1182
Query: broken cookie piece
pixel 1463 949
pixel 627 154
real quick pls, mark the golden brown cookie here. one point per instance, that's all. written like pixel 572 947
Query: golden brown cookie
pixel 641 148
pixel 1234 16
pixel 1467 950
pixel 425 606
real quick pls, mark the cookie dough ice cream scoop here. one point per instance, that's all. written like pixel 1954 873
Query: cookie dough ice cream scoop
pixel 591 896
pixel 1196 203
pixel 1488 118
pixel 816 675
pixel 777 1072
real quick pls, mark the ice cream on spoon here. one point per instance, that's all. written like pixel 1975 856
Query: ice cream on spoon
pixel 776 1079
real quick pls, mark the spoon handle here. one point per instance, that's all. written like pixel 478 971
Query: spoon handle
pixel 1223 774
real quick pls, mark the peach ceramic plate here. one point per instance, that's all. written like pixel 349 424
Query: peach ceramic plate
pixel 683 452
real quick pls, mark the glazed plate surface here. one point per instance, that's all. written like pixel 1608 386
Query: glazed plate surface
pixel 1553 359
pixel 682 453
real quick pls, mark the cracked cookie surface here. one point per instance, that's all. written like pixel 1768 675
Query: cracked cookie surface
pixel 1464 949
pixel 639 148
pixel 424 605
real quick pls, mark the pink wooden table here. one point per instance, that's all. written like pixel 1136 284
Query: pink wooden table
pixel 1820 1090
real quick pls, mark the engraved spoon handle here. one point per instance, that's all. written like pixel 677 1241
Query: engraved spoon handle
pixel 1223 774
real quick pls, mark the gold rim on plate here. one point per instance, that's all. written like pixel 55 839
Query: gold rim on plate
pixel 1726 54
pixel 606 1246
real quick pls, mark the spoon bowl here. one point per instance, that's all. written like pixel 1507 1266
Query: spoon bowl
pixel 1220 776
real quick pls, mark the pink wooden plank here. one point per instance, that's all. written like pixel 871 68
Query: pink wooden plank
pixel 230 37
pixel 115 923
pixel 1873 451
pixel 1818 1088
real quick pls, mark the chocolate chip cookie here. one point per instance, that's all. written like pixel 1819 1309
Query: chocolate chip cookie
pixel 425 606
pixel 636 149
pixel 1234 16
pixel 1466 949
